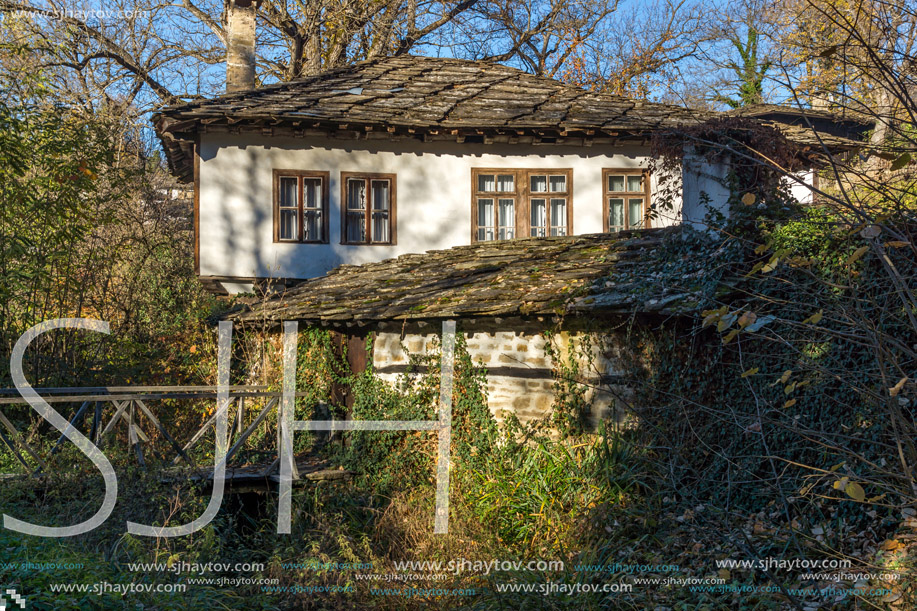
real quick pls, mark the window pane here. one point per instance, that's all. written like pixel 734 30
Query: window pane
pixel 615 214
pixel 288 187
pixel 288 230
pixel 635 211
pixel 356 194
pixel 356 227
pixel 615 183
pixel 635 183
pixel 558 217
pixel 505 183
pixel 380 197
pixel 558 184
pixel 507 219
pixel 312 226
pixel 312 192
pixel 539 218
pixel 485 219
pixel 486 183
pixel 538 184
pixel 485 213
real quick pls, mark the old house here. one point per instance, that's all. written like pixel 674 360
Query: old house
pixel 407 154
pixel 398 192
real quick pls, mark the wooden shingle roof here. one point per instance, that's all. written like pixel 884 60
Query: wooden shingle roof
pixel 523 277
pixel 420 96
pixel 837 130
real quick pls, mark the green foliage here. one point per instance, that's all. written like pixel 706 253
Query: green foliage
pixel 750 71
pixel 390 459
pixel 569 414
pixel 535 495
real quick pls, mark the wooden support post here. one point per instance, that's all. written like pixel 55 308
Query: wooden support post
pixel 19 442
pixel 200 433
pixel 8 443
pixel 114 419
pixel 271 467
pixel 240 415
pixel 133 437
pixel 96 423
pixel 251 428
pixel 73 424
pixel 146 411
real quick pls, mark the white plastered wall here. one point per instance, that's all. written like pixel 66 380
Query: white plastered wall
pixel 433 196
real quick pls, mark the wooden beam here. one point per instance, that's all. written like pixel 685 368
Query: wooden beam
pixel 72 424
pixel 200 433
pixel 20 442
pixel 96 423
pixel 9 444
pixel 251 428
pixel 114 419
pixel 175 446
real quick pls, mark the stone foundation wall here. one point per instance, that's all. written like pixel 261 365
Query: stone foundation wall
pixel 520 377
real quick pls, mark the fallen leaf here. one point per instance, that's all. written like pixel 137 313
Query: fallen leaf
pixel 859 252
pixel 814 318
pixel 855 491
pixel 750 372
pixel 894 390
pixel 747 318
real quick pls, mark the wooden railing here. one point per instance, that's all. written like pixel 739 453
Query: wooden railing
pixel 130 405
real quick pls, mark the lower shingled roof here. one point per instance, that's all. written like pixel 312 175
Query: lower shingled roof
pixel 524 277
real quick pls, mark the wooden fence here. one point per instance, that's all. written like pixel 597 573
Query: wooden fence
pixel 129 406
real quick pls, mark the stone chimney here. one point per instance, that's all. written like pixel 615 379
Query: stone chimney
pixel 240 44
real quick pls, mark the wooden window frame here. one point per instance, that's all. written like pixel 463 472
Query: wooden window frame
pixel 522 195
pixel 393 208
pixel 300 175
pixel 606 195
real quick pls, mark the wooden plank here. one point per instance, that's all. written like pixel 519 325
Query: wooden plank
pixel 64 390
pixel 72 424
pixel 251 428
pixel 240 416
pixel 96 423
pixel 145 396
pixel 20 442
pixel 114 419
pixel 200 433
pixel 146 411
pixel 133 436
pixel 132 426
pixel 9 444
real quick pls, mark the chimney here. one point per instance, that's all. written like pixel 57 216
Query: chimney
pixel 240 44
